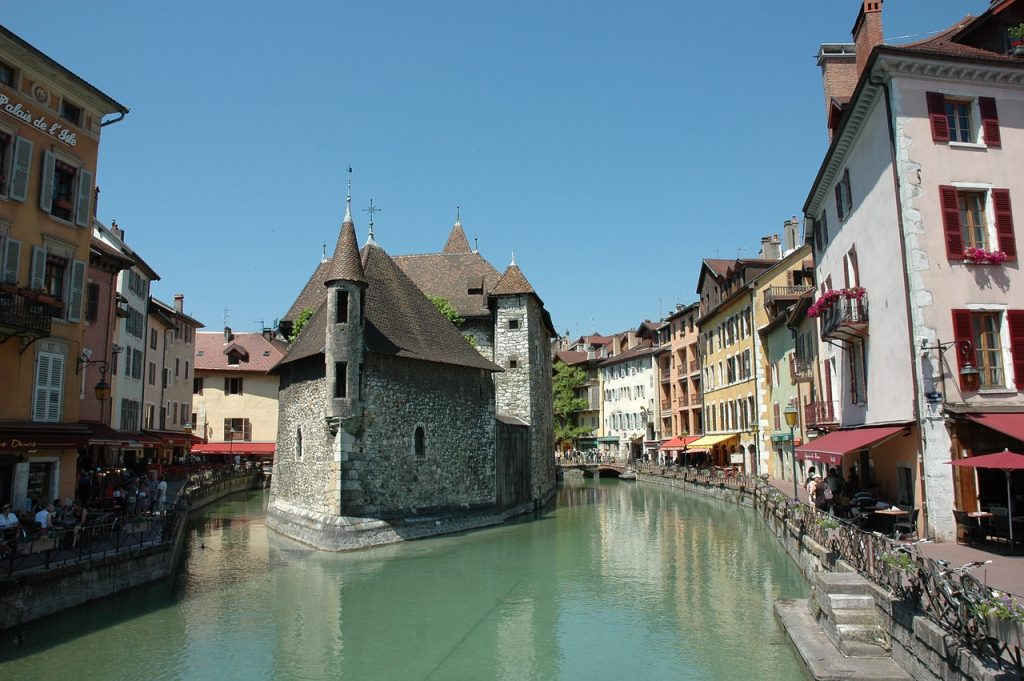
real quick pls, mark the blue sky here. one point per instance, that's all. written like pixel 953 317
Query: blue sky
pixel 610 145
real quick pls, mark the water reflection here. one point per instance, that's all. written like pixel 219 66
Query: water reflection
pixel 618 579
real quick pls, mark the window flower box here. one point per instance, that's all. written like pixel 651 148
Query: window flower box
pixel 980 256
pixel 1010 632
pixel 827 299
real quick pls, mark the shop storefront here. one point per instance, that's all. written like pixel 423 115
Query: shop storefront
pixel 880 459
pixel 975 434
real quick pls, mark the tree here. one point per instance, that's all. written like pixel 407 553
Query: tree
pixel 567 402
pixel 447 309
pixel 300 321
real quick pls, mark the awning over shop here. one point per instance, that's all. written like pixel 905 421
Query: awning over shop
pixel 172 438
pixel 830 448
pixel 146 440
pixel 711 440
pixel 679 442
pixel 104 435
pixel 27 439
pixel 1007 424
pixel 608 438
pixel 232 448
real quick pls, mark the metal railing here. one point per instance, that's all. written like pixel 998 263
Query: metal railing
pixel 816 413
pixel 788 292
pixel 21 314
pixel 849 314
pixel 801 369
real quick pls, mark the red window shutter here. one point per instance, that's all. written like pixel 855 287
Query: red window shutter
pixel 1004 222
pixel 951 222
pixel 1015 319
pixel 989 121
pixel 839 203
pixel 963 332
pixel 937 114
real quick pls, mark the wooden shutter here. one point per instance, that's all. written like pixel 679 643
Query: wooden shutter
pixel 937 115
pixel 83 214
pixel 246 430
pixel 963 332
pixel 989 121
pixel 22 165
pixel 92 305
pixel 49 387
pixel 951 222
pixel 42 387
pixel 75 297
pixel 12 258
pixel 46 185
pixel 1015 319
pixel 839 202
pixel 38 276
pixel 1004 222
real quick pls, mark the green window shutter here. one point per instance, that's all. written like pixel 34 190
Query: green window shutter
pixel 38 277
pixel 77 284
pixel 12 257
pixel 22 163
pixel 46 185
pixel 83 215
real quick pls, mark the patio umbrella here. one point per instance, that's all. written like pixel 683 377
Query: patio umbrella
pixel 1005 461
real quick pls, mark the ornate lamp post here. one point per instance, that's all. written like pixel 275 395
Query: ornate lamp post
pixel 791 414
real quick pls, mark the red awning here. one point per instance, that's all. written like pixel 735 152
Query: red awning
pixel 103 434
pixel 679 442
pixel 147 440
pixel 170 437
pixel 232 448
pixel 1008 424
pixel 22 440
pixel 830 448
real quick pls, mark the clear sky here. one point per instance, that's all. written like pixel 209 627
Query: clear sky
pixel 610 145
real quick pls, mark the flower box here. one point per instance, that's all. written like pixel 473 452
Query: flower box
pixel 982 257
pixel 828 299
pixel 1010 632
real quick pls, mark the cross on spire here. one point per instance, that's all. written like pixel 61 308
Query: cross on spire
pixel 458 215
pixel 371 210
pixel 348 198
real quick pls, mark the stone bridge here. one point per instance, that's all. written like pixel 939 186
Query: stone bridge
pixel 607 469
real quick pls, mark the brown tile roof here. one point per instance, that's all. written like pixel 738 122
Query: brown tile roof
pixel 457 241
pixel 211 356
pixel 641 349
pixel 719 266
pixel 571 357
pixel 312 293
pixel 400 321
pixel 512 282
pixel 451 275
pixel 346 264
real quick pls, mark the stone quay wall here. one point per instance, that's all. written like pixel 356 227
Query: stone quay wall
pixel 40 593
pixel 919 645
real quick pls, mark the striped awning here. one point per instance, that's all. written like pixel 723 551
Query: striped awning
pixel 711 440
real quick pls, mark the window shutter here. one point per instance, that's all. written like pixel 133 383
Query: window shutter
pixel 247 430
pixel 12 258
pixel 22 165
pixel 42 386
pixel 839 202
pixel 1004 222
pixel 951 222
pixel 49 387
pixel 46 185
pixel 963 332
pixel 989 121
pixel 38 276
pixel 937 114
pixel 83 214
pixel 77 283
pixel 1015 319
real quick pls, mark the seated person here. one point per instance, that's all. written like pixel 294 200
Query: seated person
pixel 8 520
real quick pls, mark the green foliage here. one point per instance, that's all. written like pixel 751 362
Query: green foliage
pixel 1016 32
pixel 471 339
pixel 827 522
pixel 299 323
pixel 898 560
pixel 447 309
pixel 567 403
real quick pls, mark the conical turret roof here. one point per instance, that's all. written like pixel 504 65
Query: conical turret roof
pixel 346 265
pixel 457 241
pixel 512 282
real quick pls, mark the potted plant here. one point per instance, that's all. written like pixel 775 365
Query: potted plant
pixel 982 257
pixel 1016 34
pixel 1005 618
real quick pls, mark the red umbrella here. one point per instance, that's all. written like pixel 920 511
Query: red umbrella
pixel 1005 461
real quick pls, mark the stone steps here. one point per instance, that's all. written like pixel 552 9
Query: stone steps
pixel 824 660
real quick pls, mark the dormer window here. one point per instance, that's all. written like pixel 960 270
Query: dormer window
pixel 233 358
pixel 475 286
pixel 70 112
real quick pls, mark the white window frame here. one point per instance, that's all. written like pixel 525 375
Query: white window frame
pixel 1009 376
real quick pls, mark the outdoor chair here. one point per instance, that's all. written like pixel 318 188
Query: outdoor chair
pixel 967 527
pixel 909 524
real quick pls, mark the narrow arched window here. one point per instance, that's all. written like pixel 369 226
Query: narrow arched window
pixel 420 442
pixel 298 444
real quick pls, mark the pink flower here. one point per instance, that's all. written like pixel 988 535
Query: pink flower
pixel 981 256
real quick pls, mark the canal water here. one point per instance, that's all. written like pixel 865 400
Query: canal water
pixel 618 580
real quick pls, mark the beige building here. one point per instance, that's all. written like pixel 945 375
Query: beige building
pixel 235 394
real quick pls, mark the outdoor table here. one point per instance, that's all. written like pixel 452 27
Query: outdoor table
pixel 890 516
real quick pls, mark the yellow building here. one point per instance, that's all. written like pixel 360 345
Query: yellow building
pixel 235 394
pixel 50 122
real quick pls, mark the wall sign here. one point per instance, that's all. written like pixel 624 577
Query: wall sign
pixel 54 130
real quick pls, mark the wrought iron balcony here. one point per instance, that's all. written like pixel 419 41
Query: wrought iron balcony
pixel 845 319
pixel 666 375
pixel 819 414
pixel 801 369
pixel 25 313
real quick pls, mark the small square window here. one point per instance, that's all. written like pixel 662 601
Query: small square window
pixel 7 74
pixel 513 362
pixel 70 112
pixel 513 323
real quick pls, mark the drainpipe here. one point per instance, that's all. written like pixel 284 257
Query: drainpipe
pixel 915 369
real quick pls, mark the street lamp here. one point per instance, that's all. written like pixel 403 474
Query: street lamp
pixel 969 374
pixel 791 414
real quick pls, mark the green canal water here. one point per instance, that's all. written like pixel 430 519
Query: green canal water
pixel 616 581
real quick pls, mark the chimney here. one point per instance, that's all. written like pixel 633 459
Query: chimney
pixel 679 307
pixel 839 77
pixel 228 336
pixel 117 231
pixel 867 31
pixel 630 340
pixel 179 302
pixel 771 249
pixel 791 234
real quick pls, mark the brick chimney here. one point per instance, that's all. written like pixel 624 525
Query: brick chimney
pixel 228 336
pixel 179 302
pixel 116 231
pixel 838 64
pixel 867 31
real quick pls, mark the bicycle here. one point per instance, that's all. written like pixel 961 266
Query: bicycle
pixel 960 603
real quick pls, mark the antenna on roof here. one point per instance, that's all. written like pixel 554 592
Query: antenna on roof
pixel 371 210
pixel 227 315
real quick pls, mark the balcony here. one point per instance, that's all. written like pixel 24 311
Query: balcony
pixel 666 413
pixel 784 293
pixel 695 366
pixel 683 401
pixel 666 375
pixel 801 369
pixel 25 313
pixel 695 399
pixel 817 414
pixel 845 319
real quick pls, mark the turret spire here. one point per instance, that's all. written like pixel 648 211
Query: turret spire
pixel 348 198
pixel 371 210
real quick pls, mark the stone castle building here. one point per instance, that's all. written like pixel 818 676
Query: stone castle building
pixel 392 426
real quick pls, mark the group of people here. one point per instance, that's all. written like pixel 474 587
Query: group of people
pixel 829 492
pixel 42 517
pixel 139 495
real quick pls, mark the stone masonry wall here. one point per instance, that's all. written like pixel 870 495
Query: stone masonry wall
pixel 542 415
pixel 513 385
pixel 482 330
pixel 455 405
